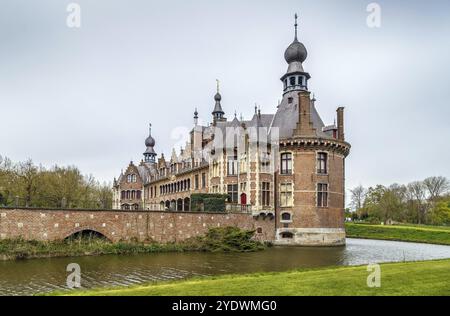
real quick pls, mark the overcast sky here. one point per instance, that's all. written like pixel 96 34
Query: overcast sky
pixel 84 96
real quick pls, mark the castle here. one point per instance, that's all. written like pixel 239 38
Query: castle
pixel 287 167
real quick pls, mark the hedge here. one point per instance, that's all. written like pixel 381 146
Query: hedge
pixel 208 202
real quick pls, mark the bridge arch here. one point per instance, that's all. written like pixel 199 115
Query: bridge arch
pixel 87 231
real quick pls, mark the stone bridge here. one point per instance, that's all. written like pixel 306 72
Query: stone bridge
pixel 117 225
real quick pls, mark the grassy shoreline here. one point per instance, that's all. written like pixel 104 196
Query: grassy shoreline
pixel 406 278
pixel 228 239
pixel 421 234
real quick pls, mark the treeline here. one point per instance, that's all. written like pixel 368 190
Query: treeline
pixel 25 184
pixel 419 202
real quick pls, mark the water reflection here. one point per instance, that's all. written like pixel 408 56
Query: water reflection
pixel 40 275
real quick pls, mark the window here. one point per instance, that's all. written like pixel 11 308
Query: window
pixel 286 217
pixel 215 169
pixel 138 194
pixel 292 81
pixel 233 193
pixel 322 163
pixel 232 165
pixel 290 100
pixel 286 194
pixel 300 80
pixel 196 182
pixel 286 163
pixel 265 163
pixel 243 163
pixel 203 180
pixel 122 195
pixel 285 83
pixel 287 235
pixel 322 195
pixel 265 193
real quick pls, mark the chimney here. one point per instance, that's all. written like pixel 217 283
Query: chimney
pixel 340 123
pixel 304 125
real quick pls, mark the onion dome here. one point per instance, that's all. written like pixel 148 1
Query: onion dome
pixel 296 52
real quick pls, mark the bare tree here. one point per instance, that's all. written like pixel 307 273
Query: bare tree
pixel 417 194
pixel 436 186
pixel 28 174
pixel 358 197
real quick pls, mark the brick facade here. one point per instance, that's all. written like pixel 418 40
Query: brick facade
pixel 123 225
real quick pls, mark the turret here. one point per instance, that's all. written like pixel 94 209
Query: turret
pixel 150 154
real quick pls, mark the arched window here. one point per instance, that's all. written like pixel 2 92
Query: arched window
pixel 186 204
pixel 292 81
pixel 128 195
pixel 133 194
pixel 300 80
pixel 138 194
pixel 287 235
pixel 286 217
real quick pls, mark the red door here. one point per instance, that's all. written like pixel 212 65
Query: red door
pixel 243 199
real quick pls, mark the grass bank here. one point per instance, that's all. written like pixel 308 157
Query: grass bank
pixel 412 278
pixel 229 239
pixel 412 233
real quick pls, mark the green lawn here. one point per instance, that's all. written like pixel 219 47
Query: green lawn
pixel 417 233
pixel 412 278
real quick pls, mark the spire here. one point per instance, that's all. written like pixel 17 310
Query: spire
pixel 296 25
pixel 195 117
pixel 149 154
pixel 295 78
pixel 218 85
pixel 218 113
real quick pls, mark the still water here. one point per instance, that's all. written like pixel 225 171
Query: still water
pixel 28 277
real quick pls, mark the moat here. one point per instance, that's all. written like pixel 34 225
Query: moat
pixel 28 277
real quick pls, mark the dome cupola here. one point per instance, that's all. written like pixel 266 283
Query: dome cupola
pixel 295 79
pixel 150 154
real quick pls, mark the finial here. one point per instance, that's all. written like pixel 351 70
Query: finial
pixel 150 128
pixel 218 84
pixel 195 113
pixel 256 108
pixel 235 114
pixel 296 16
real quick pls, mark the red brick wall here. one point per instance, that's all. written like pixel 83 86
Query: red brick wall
pixel 123 225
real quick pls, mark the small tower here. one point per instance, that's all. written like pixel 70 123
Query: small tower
pixel 218 113
pixel 295 79
pixel 150 154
